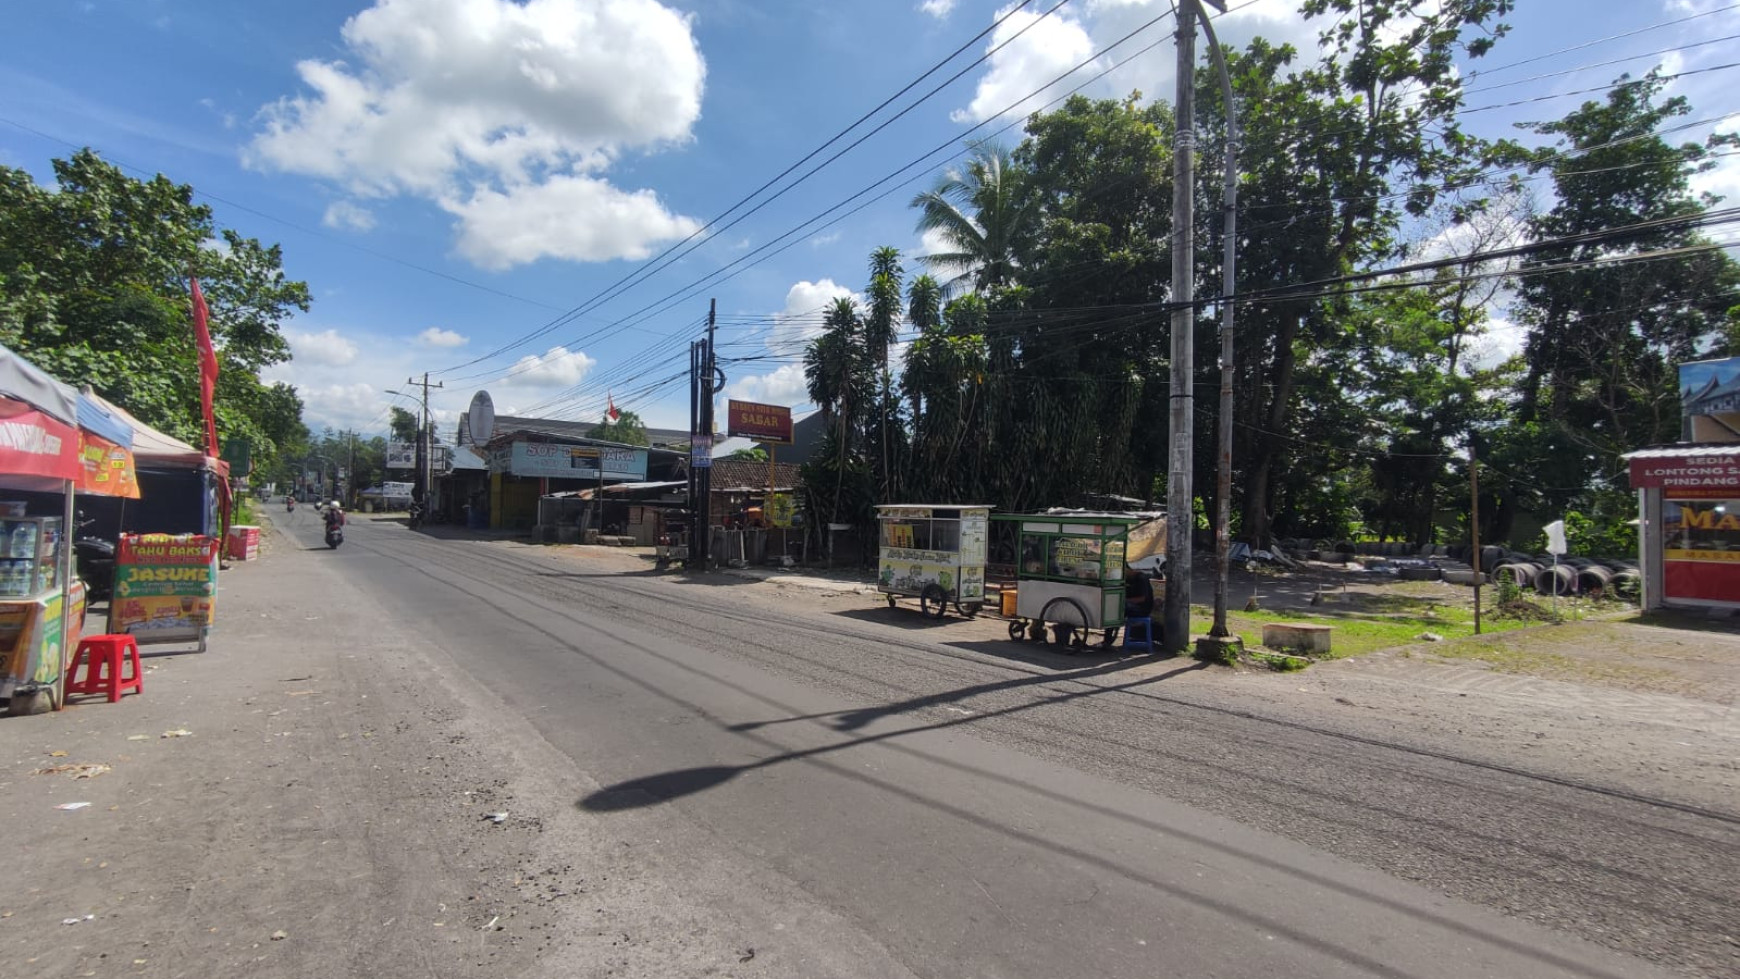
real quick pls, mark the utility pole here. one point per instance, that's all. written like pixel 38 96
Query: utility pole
pixel 1474 527
pixel 1228 280
pixel 420 490
pixel 704 382
pixel 1180 512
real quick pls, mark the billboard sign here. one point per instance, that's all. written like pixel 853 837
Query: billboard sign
pixel 1710 400
pixel 165 587
pixel 763 423
pixel 1707 475
pixel 401 455
pixel 571 461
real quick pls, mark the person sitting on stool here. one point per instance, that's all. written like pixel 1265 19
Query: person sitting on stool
pixel 1138 595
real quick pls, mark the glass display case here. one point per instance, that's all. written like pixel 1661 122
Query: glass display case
pixel 30 553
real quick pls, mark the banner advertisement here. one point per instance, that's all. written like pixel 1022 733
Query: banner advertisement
pixel 165 587
pixel 1712 475
pixel 763 423
pixel 107 469
pixel 571 461
pixel 1710 400
pixel 401 455
pixel 781 510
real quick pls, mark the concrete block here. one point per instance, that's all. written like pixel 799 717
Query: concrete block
pixel 1305 638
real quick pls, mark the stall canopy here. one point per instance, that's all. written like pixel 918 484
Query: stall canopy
pixel 155 450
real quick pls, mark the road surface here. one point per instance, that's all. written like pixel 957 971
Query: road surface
pixel 944 809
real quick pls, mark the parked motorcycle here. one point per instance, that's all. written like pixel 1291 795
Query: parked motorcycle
pixel 96 562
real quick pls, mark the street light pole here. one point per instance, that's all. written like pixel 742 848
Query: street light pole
pixel 1180 511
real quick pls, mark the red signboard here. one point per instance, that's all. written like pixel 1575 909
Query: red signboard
pixel 1709 474
pixel 763 423
pixel 34 444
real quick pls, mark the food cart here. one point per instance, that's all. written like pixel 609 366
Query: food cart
pixel 934 553
pixel 1070 575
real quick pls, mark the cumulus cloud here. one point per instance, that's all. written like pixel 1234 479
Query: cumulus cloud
pixel 494 108
pixel 498 230
pixel 344 214
pixel 435 336
pixel 794 326
pixel 556 367
pixel 937 8
pixel 1066 39
pixel 326 348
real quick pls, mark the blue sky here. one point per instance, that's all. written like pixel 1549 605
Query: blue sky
pixel 451 175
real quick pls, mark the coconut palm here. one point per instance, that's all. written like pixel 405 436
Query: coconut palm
pixel 983 219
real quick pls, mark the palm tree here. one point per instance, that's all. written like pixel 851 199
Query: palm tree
pixel 983 217
pixel 833 365
pixel 880 326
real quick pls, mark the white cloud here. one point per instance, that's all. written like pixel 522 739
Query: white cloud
pixel 1032 59
pixel 821 240
pixel 492 108
pixel 571 217
pixel 326 348
pixel 344 214
pixel 557 367
pixel 1050 49
pixel 939 9
pixel 784 386
pixel 800 321
pixel 435 336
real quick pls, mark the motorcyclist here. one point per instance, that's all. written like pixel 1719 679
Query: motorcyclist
pixel 289 502
pixel 334 516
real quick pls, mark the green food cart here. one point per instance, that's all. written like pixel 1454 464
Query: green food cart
pixel 1069 575
pixel 934 553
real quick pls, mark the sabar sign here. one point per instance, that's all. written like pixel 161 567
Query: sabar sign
pixel 763 423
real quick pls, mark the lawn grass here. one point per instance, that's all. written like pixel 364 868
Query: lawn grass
pixel 1368 623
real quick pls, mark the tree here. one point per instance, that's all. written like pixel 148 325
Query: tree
pixel 93 288
pixel 983 218
pixel 754 453
pixel 403 425
pixel 627 429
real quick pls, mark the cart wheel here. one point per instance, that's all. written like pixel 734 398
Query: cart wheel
pixel 968 611
pixel 892 601
pixel 933 601
pixel 1017 630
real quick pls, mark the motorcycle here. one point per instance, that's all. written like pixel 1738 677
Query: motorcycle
pixel 96 563
pixel 289 504
pixel 334 536
pixel 416 518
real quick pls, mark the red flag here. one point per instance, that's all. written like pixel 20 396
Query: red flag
pixel 208 368
pixel 612 412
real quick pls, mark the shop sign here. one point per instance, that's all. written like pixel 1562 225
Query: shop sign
pixel 165 587
pixel 401 455
pixel 763 423
pixel 106 469
pixel 1689 475
pixel 574 461
pixel 781 509
pixel 36 444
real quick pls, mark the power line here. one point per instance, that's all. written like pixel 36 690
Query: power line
pixel 1601 40
pixel 647 268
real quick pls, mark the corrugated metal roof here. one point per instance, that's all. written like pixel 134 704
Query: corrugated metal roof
pixel 1685 450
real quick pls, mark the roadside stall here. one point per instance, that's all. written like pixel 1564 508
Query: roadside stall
pixel 935 554
pixel 54 444
pixel 1070 575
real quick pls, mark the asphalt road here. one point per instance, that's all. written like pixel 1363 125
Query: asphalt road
pixel 973 814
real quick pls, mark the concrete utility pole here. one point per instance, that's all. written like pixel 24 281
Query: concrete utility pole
pixel 1180 513
pixel 1220 633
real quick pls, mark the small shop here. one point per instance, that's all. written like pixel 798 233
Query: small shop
pixel 1688 524
pixel 935 554
pixel 525 467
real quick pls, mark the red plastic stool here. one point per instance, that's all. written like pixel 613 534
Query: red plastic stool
pixel 102 657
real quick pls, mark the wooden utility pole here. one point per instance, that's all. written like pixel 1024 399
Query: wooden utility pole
pixel 425 450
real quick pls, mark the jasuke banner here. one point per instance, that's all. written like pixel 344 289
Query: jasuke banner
pixel 165 587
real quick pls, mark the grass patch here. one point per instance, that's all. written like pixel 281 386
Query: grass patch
pixel 1367 623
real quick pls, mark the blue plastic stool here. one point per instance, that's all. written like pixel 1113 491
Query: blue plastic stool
pixel 1146 643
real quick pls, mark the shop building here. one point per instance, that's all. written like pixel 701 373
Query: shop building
pixel 1688 498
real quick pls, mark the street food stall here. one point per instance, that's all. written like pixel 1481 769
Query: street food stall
pixel 57 443
pixel 1070 575
pixel 935 554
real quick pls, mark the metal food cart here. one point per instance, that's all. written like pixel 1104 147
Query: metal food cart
pixel 935 554
pixel 1070 575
